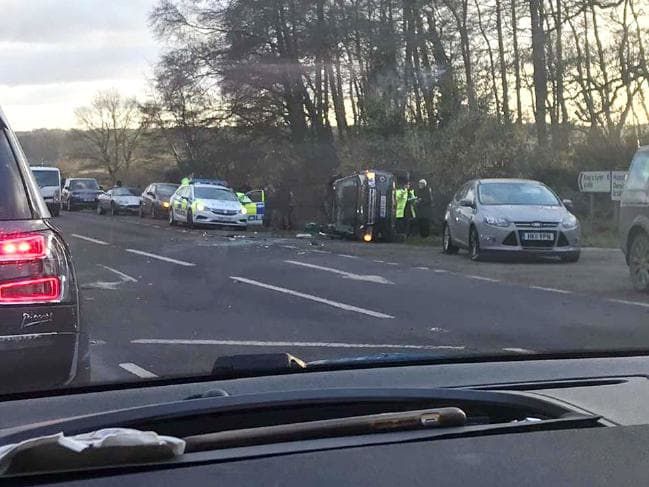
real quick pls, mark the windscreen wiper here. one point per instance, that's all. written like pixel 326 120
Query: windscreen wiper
pixel 355 425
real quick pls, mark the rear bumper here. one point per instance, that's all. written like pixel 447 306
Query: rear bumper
pixel 33 360
pixel 82 203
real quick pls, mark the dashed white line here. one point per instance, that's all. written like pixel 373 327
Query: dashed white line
pixel 392 263
pixel 319 251
pixel 293 247
pixel 335 304
pixel 440 271
pixel 347 275
pixel 551 289
pixel 518 350
pixel 482 278
pixel 137 370
pixel 423 268
pixel 256 343
pixel 632 303
pixel 89 239
pixel 347 256
pixel 379 261
pixel 125 277
pixel 161 257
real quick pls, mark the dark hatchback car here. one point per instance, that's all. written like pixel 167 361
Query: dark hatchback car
pixel 155 199
pixel 42 341
pixel 80 193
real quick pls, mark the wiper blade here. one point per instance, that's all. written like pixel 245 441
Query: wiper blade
pixel 356 425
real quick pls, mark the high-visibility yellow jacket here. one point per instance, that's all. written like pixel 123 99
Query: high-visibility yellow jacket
pixel 401 197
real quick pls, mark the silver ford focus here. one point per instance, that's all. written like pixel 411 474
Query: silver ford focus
pixel 510 216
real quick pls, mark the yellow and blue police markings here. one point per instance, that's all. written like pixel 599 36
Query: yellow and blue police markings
pixel 255 210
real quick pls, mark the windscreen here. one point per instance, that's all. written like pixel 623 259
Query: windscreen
pixel 440 178
pixel 207 193
pixel 516 194
pixel 46 178
pixel 80 184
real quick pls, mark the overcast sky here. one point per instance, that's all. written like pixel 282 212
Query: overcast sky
pixel 55 54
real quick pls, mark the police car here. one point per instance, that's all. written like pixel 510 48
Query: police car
pixel 254 203
pixel 207 203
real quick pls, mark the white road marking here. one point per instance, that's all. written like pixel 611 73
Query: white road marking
pixel 125 277
pixel 437 329
pixel 518 350
pixel 392 263
pixel 137 370
pixel 347 256
pixel 632 303
pixel 346 275
pixel 551 289
pixel 319 251
pixel 379 261
pixel 482 278
pixel 440 271
pixel 311 297
pixel 423 268
pixel 161 257
pixel 88 239
pixel 256 343
pixel 293 247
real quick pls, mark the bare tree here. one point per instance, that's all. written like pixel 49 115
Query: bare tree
pixel 110 128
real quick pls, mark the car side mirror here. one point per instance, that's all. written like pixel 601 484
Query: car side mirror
pixel 568 204
pixel 467 203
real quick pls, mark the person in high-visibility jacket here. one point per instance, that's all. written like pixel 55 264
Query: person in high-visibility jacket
pixel 410 214
pixel 401 200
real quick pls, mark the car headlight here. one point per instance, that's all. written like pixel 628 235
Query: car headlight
pixel 496 221
pixel 200 206
pixel 570 221
pixel 244 211
pixel 165 204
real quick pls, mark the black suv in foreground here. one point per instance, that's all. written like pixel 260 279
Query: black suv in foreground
pixel 41 338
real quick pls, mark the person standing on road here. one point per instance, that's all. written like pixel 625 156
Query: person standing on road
pixel 410 213
pixel 401 197
pixel 424 208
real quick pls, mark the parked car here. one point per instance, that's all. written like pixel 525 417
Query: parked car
pixel 49 182
pixel 634 220
pixel 80 193
pixel 118 200
pixel 43 340
pixel 155 199
pixel 510 216
pixel 207 203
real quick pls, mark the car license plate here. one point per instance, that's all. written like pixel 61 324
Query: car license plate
pixel 538 236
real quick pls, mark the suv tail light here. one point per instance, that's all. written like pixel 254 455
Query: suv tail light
pixel 34 268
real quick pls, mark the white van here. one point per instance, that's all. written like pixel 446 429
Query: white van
pixel 49 181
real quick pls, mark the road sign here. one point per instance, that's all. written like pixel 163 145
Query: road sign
pixel 595 182
pixel 618 178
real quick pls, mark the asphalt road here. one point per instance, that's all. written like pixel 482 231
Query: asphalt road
pixel 163 300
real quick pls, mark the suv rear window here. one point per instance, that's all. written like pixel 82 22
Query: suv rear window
pixel 13 196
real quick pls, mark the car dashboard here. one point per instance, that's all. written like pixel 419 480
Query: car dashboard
pixel 529 422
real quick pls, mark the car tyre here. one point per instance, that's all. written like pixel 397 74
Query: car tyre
pixel 447 242
pixel 571 257
pixel 639 261
pixel 474 245
pixel 172 220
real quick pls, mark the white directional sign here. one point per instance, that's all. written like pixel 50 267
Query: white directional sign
pixel 595 182
pixel 618 178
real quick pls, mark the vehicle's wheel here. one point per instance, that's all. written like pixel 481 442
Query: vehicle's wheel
pixel 447 242
pixel 474 245
pixel 172 220
pixel 100 210
pixel 190 219
pixel 639 261
pixel 571 257
pixel 113 210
